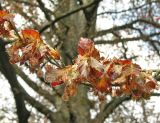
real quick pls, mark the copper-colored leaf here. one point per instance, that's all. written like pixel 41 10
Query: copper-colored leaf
pixel 131 69
pixel 86 47
pixel 123 62
pixel 103 84
pixel 120 80
pixel 53 84
pixel 3 13
pixel 94 63
pixel 150 85
pixel 31 35
pixel 83 66
pixel 53 53
pixel 6 15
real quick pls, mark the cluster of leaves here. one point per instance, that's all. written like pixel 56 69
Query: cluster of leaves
pixel 27 46
pixel 106 76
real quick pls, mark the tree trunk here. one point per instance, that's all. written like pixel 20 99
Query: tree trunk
pixel 81 24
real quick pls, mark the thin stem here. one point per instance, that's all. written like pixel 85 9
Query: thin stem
pixel 54 63
pixel 16 31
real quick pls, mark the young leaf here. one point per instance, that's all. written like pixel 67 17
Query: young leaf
pixel 86 47
pixel 30 35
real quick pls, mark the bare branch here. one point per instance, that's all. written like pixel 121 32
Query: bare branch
pixel 66 15
pixel 115 41
pixel 40 107
pixel 34 86
pixel 125 26
pixel 8 71
pixel 111 106
pixel 126 10
pixel 44 9
pixel 153 44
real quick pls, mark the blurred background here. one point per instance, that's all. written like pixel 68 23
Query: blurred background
pixel 125 29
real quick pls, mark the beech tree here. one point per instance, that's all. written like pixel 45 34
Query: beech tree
pixel 59 45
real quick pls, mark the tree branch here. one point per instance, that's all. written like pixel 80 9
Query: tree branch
pixel 44 10
pixel 125 26
pixel 142 37
pixel 41 108
pixel 35 87
pixel 66 15
pixel 8 71
pixel 126 10
pixel 153 44
pixel 111 106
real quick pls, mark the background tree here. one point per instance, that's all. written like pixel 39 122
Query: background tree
pixel 122 27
